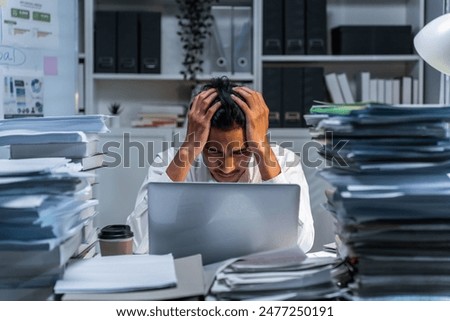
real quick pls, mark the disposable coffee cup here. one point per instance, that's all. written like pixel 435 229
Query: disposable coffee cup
pixel 116 240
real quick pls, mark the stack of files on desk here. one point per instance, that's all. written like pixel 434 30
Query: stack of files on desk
pixel 74 137
pixel 118 273
pixel 157 271
pixel 41 220
pixel 285 274
pixel 45 199
pixel 388 167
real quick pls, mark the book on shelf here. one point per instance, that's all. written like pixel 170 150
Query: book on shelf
pixel 345 88
pixel 373 93
pixel 388 87
pixel 380 90
pixel 406 89
pixel 334 89
pixel 415 91
pixel 157 122
pixel 164 109
pixel 160 116
pixel 396 97
pixel 398 90
pixel 363 86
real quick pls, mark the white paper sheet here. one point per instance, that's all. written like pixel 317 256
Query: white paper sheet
pixel 119 273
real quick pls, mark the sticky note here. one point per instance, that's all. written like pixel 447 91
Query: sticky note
pixel 50 66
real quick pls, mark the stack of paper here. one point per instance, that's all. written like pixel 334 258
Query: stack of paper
pixel 40 224
pixel 389 167
pixel 129 273
pixel 72 137
pixel 276 275
pixel 160 116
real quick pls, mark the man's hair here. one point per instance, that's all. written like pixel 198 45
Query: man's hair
pixel 229 115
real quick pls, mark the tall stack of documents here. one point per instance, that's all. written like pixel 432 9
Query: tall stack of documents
pixel 72 137
pixel 285 274
pixel 389 167
pixel 45 204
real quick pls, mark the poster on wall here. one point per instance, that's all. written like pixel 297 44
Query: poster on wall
pixel 30 23
pixel 22 94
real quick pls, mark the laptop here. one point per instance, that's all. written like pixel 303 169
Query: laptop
pixel 221 220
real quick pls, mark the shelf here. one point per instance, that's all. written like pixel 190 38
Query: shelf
pixel 115 76
pixel 160 77
pixel 341 58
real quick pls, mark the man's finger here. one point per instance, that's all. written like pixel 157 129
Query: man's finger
pixel 212 110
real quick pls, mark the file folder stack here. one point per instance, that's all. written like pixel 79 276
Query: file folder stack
pixel 46 203
pixel 389 166
pixel 285 274
pixel 41 222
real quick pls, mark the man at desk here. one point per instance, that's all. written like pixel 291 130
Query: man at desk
pixel 226 142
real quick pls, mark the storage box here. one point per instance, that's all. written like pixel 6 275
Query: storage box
pixel 371 40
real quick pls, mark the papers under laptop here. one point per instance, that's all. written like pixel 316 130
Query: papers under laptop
pixel 221 220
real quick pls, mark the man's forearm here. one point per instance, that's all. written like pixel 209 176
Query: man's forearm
pixel 267 162
pixel 179 168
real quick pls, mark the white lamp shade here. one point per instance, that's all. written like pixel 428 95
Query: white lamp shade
pixel 433 43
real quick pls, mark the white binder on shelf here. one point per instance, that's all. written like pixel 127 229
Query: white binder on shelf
pixel 334 89
pixel 345 88
pixel 220 50
pixel 242 39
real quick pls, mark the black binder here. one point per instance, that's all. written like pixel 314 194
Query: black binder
pixel 150 42
pixel 292 97
pixel 272 27
pixel 372 40
pixel 294 27
pixel 105 41
pixel 272 91
pixel 316 27
pixel 127 42
pixel 313 88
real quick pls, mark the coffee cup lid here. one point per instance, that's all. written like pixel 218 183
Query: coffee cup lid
pixel 111 232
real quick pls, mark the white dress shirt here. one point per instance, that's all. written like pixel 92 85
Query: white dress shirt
pixel 291 172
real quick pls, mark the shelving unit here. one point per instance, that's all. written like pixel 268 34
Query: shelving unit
pixel 168 86
pixel 360 12
pixel 339 12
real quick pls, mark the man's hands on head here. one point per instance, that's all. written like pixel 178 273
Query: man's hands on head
pixel 199 120
pixel 256 117
pixel 199 124
pixel 257 124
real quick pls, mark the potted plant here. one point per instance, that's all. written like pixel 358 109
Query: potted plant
pixel 195 21
pixel 115 109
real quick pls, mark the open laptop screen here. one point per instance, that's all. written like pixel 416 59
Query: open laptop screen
pixel 221 220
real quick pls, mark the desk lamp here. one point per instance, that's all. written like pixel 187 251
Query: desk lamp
pixel 432 43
